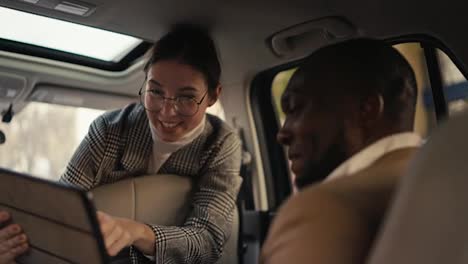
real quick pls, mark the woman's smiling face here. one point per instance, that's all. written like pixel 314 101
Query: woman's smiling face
pixel 173 79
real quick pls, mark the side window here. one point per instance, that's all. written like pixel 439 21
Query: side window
pixel 455 85
pixel 425 117
pixel 217 109
pixel 280 81
pixel 278 86
pixel 41 139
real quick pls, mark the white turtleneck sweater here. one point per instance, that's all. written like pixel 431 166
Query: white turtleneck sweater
pixel 162 150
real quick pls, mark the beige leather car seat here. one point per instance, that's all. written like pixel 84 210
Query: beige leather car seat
pixel 158 199
pixel 428 221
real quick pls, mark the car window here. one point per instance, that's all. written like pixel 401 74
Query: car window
pixel 425 117
pixel 455 85
pixel 41 139
pixel 217 110
pixel 278 86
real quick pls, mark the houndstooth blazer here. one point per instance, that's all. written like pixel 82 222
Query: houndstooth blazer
pixel 119 144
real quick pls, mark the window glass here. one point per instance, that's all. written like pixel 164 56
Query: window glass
pixel 278 86
pixel 425 115
pixel 217 110
pixel 41 139
pixel 425 118
pixel 455 85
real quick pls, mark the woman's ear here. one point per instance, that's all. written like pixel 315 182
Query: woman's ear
pixel 214 96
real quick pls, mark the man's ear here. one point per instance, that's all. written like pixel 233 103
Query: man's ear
pixel 372 109
pixel 214 96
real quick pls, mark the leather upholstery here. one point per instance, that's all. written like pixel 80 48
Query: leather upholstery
pixel 135 198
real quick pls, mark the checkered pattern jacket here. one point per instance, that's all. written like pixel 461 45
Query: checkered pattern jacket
pixel 119 144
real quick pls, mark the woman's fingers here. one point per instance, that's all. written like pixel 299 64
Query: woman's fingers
pixel 15 251
pixel 119 244
pixel 113 237
pixel 114 233
pixel 20 249
pixel 4 216
pixel 13 242
pixel 106 223
pixel 5 230
pixel 10 238
pixel 9 231
pixel 8 245
pixel 111 231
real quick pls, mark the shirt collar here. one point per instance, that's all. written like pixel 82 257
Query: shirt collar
pixel 370 154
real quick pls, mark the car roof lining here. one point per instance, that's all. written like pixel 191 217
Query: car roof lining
pixel 231 23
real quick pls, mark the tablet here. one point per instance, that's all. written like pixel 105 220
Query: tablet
pixel 60 221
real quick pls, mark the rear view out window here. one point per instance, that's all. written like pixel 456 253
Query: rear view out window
pixel 41 139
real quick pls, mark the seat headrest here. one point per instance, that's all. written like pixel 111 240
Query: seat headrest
pixel 428 221
pixel 158 199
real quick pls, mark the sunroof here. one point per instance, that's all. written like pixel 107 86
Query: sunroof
pixel 65 36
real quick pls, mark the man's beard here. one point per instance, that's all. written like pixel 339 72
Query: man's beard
pixel 317 171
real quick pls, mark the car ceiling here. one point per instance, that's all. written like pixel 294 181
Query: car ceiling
pixel 241 28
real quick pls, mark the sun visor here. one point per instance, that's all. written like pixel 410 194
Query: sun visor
pixel 300 40
pixel 79 98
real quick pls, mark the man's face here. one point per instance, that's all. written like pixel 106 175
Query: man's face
pixel 318 128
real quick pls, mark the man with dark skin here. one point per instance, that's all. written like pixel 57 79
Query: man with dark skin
pixel 349 121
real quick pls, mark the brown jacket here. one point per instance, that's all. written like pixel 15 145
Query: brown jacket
pixel 335 222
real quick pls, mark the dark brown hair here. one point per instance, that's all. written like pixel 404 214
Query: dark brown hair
pixel 189 45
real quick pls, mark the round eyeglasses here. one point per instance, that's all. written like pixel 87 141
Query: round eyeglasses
pixel 154 101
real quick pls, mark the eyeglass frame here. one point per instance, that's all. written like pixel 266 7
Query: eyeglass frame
pixel 175 99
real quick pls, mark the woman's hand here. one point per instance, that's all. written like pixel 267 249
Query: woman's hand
pixel 13 242
pixel 119 233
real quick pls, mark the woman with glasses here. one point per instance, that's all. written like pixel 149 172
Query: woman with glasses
pixel 167 132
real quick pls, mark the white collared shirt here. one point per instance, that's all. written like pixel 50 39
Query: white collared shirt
pixel 370 154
